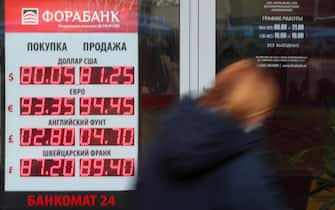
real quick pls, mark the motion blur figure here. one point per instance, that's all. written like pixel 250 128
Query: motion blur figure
pixel 208 151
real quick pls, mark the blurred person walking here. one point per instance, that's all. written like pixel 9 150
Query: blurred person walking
pixel 208 151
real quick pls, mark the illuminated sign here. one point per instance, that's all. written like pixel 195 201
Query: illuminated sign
pixel 72 96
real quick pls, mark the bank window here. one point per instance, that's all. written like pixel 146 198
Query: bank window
pixel 295 40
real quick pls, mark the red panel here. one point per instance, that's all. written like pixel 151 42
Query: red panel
pixel 71 16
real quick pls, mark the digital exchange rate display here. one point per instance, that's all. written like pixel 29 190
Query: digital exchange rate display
pixel 71 98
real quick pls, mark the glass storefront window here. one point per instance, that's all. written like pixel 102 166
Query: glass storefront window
pixel 295 41
pixel 159 61
pixel 159 86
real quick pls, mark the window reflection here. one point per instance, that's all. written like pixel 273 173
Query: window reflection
pixel 159 62
pixel 159 47
pixel 296 41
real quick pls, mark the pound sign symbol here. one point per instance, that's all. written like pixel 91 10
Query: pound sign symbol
pixel 10 139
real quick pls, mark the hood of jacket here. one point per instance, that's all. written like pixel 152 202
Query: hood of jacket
pixel 194 140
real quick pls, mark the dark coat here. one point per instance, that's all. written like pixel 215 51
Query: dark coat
pixel 204 160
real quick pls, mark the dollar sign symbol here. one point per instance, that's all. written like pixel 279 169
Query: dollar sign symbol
pixel 10 139
pixel 11 77
pixel 10 170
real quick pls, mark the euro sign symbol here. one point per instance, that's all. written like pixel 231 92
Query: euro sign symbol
pixel 10 108
pixel 11 77
pixel 10 139
pixel 10 170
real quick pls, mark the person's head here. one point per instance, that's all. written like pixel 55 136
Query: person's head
pixel 247 92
